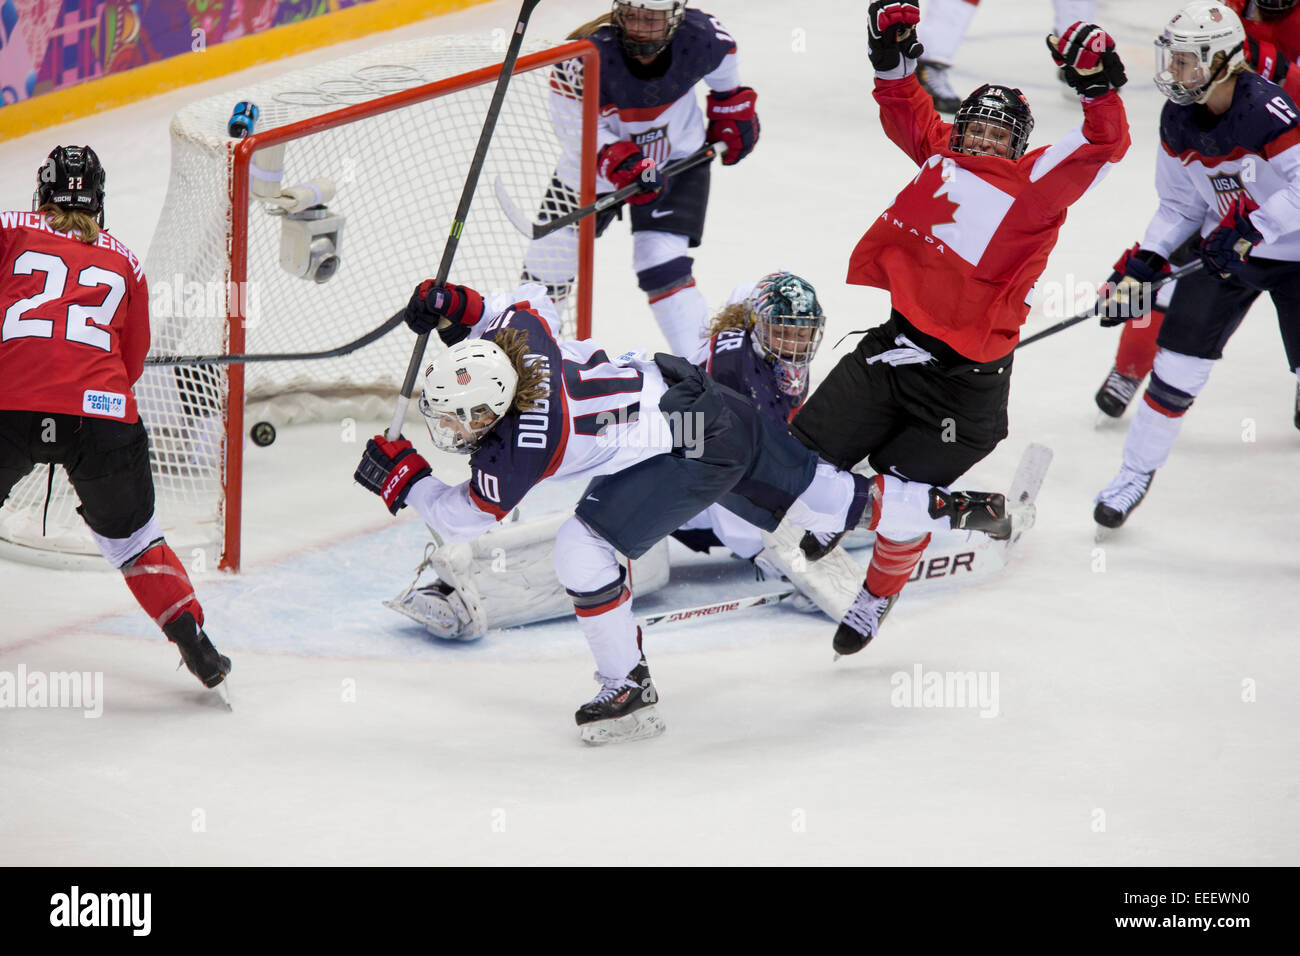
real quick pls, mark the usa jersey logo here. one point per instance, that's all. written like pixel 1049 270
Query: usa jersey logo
pixel 654 144
pixel 1227 187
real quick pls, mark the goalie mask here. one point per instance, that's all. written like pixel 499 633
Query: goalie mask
pixel 788 325
pixel 645 27
pixel 72 178
pixel 1197 51
pixel 992 121
pixel 467 390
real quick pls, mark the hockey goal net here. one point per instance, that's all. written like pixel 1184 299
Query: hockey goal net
pixel 394 130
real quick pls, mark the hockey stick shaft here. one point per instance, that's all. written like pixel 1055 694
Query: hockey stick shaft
pixel 462 209
pixel 536 230
pixel 347 349
pixel 1097 307
pixel 713 610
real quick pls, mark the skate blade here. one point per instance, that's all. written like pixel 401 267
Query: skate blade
pixel 223 691
pixel 1104 420
pixel 1103 534
pixel 637 725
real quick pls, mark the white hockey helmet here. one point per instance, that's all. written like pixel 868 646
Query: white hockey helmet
pixel 1198 50
pixel 467 390
pixel 645 27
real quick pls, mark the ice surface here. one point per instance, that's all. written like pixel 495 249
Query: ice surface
pixel 1146 708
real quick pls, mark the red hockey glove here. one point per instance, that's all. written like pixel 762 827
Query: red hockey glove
pixel 1227 248
pixel 1265 60
pixel 732 120
pixel 451 309
pixel 623 164
pixel 1087 54
pixel 1127 294
pixel 389 468
pixel 891 33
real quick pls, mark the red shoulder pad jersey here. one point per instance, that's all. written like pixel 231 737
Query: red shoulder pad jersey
pixel 965 241
pixel 1278 39
pixel 76 321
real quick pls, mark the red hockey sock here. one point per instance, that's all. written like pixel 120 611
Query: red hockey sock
pixel 892 563
pixel 161 586
pixel 1137 345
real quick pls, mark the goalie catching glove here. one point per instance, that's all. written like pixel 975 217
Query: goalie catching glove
pixel 891 33
pixel 450 309
pixel 733 122
pixel 389 469
pixel 1087 54
pixel 1128 293
pixel 625 165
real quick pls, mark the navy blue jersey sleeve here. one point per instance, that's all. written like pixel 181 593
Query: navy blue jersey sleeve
pixel 525 447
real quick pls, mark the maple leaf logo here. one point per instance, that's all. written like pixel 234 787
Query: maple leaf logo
pixel 922 204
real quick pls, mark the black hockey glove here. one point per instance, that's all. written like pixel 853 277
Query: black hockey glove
pixel 451 309
pixel 389 469
pixel 1087 54
pixel 891 33
pixel 1127 293
pixel 1227 248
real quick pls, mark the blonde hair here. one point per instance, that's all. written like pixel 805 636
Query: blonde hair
pixel 738 316
pixel 531 388
pixel 72 220
pixel 591 26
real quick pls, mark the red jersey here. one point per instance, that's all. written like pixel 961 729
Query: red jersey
pixel 1279 41
pixel 76 321
pixel 965 241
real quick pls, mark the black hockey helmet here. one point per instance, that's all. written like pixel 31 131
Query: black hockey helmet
pixel 72 178
pixel 993 106
pixel 641 30
pixel 1273 9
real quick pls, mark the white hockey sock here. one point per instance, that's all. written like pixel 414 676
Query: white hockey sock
pixel 824 505
pixel 587 564
pixel 1150 438
pixel 943 26
pixel 683 317
pixel 904 508
pixel 1068 12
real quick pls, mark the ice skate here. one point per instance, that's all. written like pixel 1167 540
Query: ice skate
pixel 623 710
pixel 1118 499
pixel 973 511
pixel 1297 405
pixel 934 80
pixel 861 622
pixel 815 545
pixel 1116 392
pixel 198 654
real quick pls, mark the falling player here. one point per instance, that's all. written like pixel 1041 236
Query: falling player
pixel 944 28
pixel 924 396
pixel 1228 170
pixel 527 407
pixel 76 332
pixel 653 53
pixel 1272 48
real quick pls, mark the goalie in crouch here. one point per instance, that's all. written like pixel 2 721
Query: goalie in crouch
pixel 527 407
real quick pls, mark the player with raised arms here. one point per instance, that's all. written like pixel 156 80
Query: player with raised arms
pixel 924 396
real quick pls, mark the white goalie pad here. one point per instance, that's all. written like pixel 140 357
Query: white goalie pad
pixel 505 578
pixel 954 558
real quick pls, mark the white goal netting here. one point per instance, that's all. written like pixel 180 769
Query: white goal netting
pixel 396 176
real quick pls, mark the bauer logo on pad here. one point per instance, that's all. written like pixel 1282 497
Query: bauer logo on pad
pixel 462 376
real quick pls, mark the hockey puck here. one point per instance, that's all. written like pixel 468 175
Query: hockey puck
pixel 263 434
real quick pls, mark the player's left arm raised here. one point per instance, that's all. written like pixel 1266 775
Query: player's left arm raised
pixel 731 107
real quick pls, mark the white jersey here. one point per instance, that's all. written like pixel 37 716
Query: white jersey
pixel 601 416
pixel 1253 149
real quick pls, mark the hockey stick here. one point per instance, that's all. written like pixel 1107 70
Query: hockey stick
pixel 721 607
pixel 535 230
pixel 371 336
pixel 462 209
pixel 1097 306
